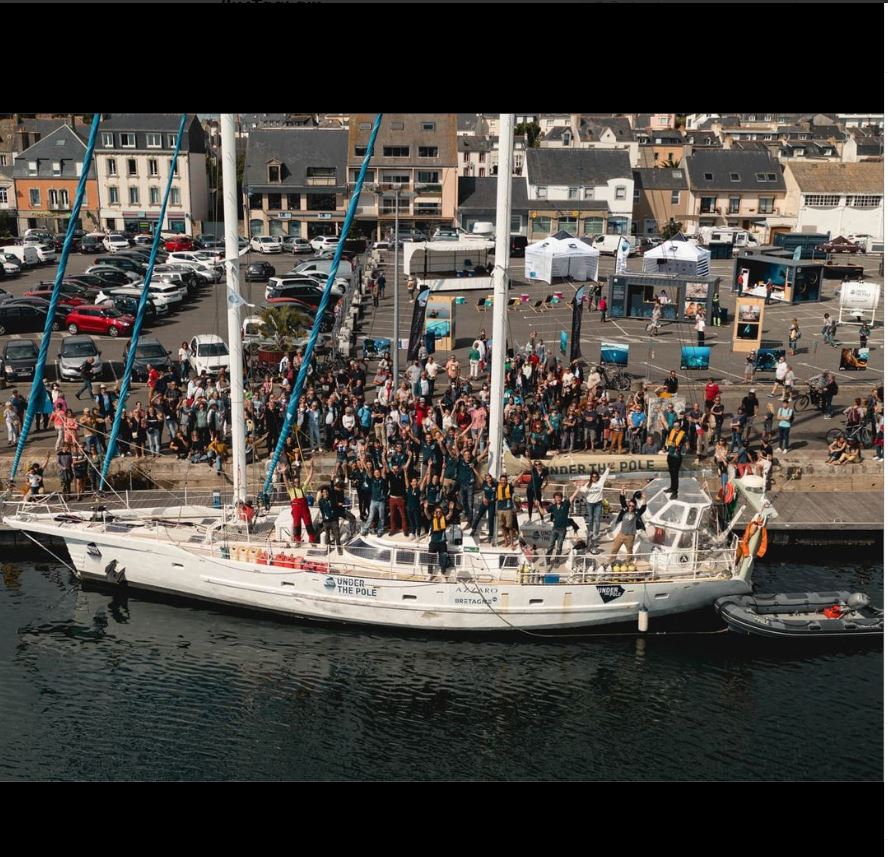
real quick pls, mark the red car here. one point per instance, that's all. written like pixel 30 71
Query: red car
pixel 69 294
pixel 181 242
pixel 99 319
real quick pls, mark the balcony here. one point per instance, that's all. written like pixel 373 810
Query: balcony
pixel 60 206
pixel 321 181
pixel 428 189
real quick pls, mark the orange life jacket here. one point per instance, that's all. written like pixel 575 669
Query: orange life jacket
pixel 743 547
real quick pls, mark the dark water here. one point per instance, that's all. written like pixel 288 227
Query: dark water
pixel 93 687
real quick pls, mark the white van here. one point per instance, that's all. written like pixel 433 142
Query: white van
pixel 738 238
pixel 26 254
pixel 608 244
pixel 323 266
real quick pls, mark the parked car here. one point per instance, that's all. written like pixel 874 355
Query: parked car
pixel 26 316
pixel 69 294
pixel 85 281
pixel 608 244
pixel 99 319
pixel 11 266
pixel 91 243
pixel 324 266
pixel 198 261
pixel 165 296
pixel 25 253
pixel 259 272
pixel 208 353
pixel 517 245
pixel 180 242
pixel 144 240
pixel 59 241
pixel 115 241
pixel 384 244
pixel 840 245
pixel 125 263
pixel 37 236
pixel 445 233
pixel 266 244
pixel 324 242
pixel 295 244
pixel 304 288
pixel 112 276
pixel 19 360
pixel 207 273
pixel 74 351
pixel 129 305
pixel 149 352
pixel 340 284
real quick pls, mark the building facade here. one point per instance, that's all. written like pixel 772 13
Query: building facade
pixel 661 197
pixel 134 156
pixel 585 192
pixel 46 176
pixel 841 199
pixel 295 181
pixel 413 171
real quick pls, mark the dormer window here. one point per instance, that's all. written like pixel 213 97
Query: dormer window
pixel 565 138
pixel 772 177
pixel 274 173
pixel 32 168
pixel 707 177
pixel 735 177
pixel 56 168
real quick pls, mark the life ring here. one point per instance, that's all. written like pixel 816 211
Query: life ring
pixel 683 558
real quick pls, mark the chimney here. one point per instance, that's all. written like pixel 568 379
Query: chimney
pixel 575 128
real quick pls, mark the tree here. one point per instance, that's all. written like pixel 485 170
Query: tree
pixel 531 133
pixel 670 229
pixel 284 324
pixel 670 164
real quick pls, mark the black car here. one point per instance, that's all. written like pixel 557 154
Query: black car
pixel 517 243
pixel 130 305
pixel 19 360
pixel 112 278
pixel 149 352
pixel 91 244
pixel 308 294
pixel 59 242
pixel 259 272
pixel 21 317
pixel 122 262
pixel 88 281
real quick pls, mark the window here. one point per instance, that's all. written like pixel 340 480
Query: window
pixel 542 193
pixel 294 201
pixel 154 141
pixel 56 168
pixel 175 197
pixel 515 223
pixel 864 201
pixel 467 171
pixel 617 225
pixel 735 177
pixel 397 126
pixel 734 205
pixel 274 173
pixel 396 151
pixel 481 172
pixel 255 200
pixel 32 168
pixel 63 198
pixel 360 151
pixel 112 167
pixel 131 168
pixel 588 193
pixel 274 201
pixel 364 126
pixel 772 177
pixel 573 193
pixel 113 198
pixel 760 177
pixel 428 151
pixel 620 192
pixel 107 140
pixel 541 224
pixel 396 178
pixel 171 141
pixel 707 177
pixel 4 196
pixel 676 197
pixel 134 196
pixel 766 205
pixel 593 225
pixel 636 194
pixel 354 172
pixel 152 167
pixel 427 126
pixel 128 141
pixel 53 198
pixel 154 196
pixel 482 157
pixel 428 176
pixel 466 157
pixel 327 202
pixel 34 194
pixel 325 172
pixel 567 224
pixel 3 161
pixel 175 165
pixel 707 205
pixel 822 200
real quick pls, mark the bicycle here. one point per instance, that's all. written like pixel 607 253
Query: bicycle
pixel 812 397
pixel 616 379
pixel 860 432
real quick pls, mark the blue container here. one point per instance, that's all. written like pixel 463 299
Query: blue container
pixel 551 578
pixel 217 499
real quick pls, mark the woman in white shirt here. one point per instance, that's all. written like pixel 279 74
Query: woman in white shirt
pixel 780 371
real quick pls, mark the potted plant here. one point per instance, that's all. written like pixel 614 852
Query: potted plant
pixel 284 329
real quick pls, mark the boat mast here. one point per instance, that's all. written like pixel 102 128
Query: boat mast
pixel 500 279
pixel 235 346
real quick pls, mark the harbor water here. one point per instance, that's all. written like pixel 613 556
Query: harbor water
pixel 99 686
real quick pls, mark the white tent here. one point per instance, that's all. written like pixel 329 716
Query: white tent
pixel 561 255
pixel 677 256
pixel 437 256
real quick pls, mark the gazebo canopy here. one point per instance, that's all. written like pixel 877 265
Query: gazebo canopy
pixel 677 256
pixel 561 255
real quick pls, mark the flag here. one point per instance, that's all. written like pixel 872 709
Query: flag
pixel 235 299
pixel 564 342
pixel 576 323
pixel 622 255
pixel 417 324
pixel 797 254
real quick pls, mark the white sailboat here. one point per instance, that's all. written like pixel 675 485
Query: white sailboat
pixel 680 562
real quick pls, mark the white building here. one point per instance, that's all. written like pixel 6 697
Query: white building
pixel 841 199
pixel 133 157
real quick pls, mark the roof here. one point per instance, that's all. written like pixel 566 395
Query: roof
pixel 662 178
pixel 142 122
pixel 556 132
pixel 296 149
pixel 831 177
pixel 577 167
pixel 60 145
pixel 722 163
pixel 479 194
pixel 659 136
pixel 466 143
pixel 592 127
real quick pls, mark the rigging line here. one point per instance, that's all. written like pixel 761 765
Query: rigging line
pixel 143 303
pixel 53 555
pixel 38 391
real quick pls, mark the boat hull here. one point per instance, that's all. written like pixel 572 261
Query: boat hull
pixel 325 594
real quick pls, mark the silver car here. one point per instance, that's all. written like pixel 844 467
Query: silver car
pixel 73 353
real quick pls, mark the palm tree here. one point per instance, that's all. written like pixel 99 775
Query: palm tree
pixel 670 164
pixel 284 324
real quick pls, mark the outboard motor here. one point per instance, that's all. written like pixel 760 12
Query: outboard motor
pixel 858 601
